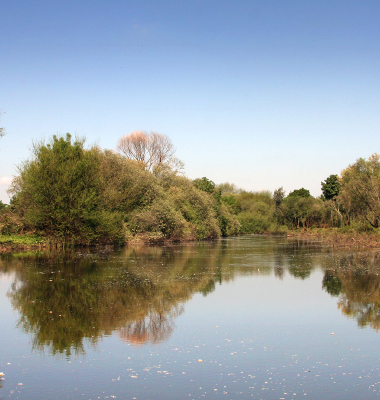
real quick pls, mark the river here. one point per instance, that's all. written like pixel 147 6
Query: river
pixel 250 317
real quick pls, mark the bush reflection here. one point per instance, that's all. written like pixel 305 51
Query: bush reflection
pixel 67 299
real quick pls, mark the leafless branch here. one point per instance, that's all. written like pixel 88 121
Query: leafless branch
pixel 151 148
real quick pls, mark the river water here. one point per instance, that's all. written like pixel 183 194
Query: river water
pixel 250 317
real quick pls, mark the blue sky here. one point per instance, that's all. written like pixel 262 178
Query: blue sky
pixel 262 94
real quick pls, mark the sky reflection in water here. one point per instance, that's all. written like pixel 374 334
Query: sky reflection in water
pixel 247 317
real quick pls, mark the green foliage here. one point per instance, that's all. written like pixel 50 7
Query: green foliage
pixel 160 219
pixel 228 188
pixel 300 193
pixel 331 187
pixel 251 201
pixel 278 196
pixel 304 212
pixel 253 222
pixel 166 172
pixel 11 223
pixel 198 208
pixel 204 184
pixel 58 192
pixel 125 184
pixel 228 223
pixel 231 201
pixel 360 188
pixel 300 209
pixel 255 210
pixel 77 195
pixel 71 194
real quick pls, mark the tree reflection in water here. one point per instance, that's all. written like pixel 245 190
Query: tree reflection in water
pixel 354 277
pixel 67 299
pixel 154 328
pixel 351 275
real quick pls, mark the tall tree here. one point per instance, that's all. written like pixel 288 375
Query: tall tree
pixel 279 195
pixel 331 187
pixel 360 189
pixel 152 148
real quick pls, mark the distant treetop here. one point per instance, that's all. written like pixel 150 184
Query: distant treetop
pixel 331 187
pixel 300 193
pixel 204 184
pixel 279 195
pixel 228 188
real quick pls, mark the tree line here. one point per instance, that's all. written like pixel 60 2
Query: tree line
pixel 73 194
pixel 349 200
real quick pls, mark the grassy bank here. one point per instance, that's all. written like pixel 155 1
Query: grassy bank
pixel 15 242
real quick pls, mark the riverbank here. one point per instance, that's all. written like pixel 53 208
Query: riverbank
pixel 9 243
pixel 342 237
pixel 337 237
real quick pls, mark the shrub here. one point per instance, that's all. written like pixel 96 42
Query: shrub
pixel 125 184
pixel 59 193
pixel 11 223
pixel 161 219
pixel 228 223
pixel 197 208
pixel 253 222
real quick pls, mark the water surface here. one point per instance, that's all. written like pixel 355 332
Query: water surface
pixel 238 318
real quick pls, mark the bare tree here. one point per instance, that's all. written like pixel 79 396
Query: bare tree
pixel 151 148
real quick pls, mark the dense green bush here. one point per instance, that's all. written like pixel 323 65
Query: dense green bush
pixel 125 184
pixel 228 222
pixel 159 220
pixel 360 191
pixel 11 223
pixel 300 193
pixel 204 184
pixel 254 210
pixel 253 222
pixel 197 208
pixel 57 192
pixel 299 211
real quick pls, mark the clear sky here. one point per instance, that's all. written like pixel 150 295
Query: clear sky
pixel 260 93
